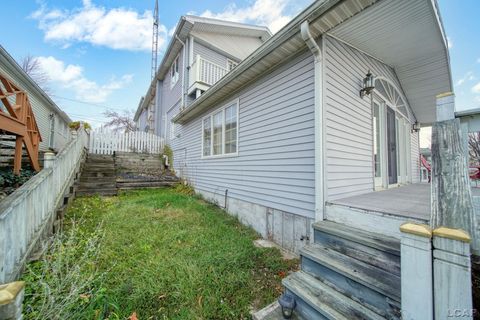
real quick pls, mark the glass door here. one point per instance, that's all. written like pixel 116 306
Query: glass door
pixel 392 147
pixel 378 144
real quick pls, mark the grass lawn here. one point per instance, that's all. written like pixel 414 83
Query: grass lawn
pixel 159 253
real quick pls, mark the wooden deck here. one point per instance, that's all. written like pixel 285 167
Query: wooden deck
pixel 411 201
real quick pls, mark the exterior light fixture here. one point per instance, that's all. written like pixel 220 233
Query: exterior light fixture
pixel 415 127
pixel 287 302
pixel 368 85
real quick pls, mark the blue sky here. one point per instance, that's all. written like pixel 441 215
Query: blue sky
pixel 98 51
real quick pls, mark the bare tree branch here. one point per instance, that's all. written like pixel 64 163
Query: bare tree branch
pixel 32 67
pixel 120 122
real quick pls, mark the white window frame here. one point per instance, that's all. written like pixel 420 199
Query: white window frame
pixel 174 72
pixel 210 116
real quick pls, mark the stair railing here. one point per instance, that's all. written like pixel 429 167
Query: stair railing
pixel 17 118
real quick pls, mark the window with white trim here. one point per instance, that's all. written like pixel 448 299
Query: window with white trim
pixel 220 131
pixel 174 73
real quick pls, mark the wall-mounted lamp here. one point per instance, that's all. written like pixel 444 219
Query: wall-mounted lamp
pixel 415 127
pixel 368 85
pixel 287 302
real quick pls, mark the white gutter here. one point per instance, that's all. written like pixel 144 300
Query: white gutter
pixel 319 123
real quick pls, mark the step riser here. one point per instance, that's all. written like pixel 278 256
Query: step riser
pixel 304 309
pixel 371 299
pixel 373 256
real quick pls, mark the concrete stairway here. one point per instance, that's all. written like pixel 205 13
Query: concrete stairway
pixel 347 273
pixel 98 176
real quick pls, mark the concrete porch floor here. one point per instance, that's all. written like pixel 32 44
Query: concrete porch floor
pixel 411 201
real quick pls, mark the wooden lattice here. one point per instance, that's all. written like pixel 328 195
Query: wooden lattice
pixel 17 118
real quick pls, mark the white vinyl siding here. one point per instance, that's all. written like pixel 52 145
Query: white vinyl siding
pixel 349 119
pixel 274 166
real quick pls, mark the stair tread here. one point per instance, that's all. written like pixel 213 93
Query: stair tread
pixel 370 276
pixel 374 240
pixel 326 300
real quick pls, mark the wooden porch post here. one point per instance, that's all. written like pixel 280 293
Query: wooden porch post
pixel 17 159
pixel 451 200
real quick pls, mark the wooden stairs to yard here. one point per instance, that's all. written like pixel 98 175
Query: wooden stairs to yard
pixel 100 176
pixel 346 273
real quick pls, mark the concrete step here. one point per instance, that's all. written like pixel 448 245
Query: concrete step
pixel 316 300
pixel 101 192
pixel 100 184
pixel 375 249
pixel 273 312
pixel 373 287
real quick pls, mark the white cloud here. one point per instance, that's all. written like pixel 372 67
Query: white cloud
pixel 270 13
pixel 449 43
pixel 469 76
pixel 476 88
pixel 117 28
pixel 71 76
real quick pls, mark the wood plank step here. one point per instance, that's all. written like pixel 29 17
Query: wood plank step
pixel 325 300
pixel 376 279
pixel 376 250
pixel 374 240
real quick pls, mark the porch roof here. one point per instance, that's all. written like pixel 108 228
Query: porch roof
pixel 407 35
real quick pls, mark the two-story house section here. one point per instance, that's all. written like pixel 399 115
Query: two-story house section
pixel 201 52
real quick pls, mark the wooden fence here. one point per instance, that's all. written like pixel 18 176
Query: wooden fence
pixel 107 142
pixel 28 213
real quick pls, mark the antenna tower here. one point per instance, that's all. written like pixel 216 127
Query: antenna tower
pixel 155 40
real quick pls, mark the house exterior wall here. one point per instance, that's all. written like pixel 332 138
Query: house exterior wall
pixel 42 110
pixel 142 121
pixel 273 173
pixel 209 54
pixel 415 154
pixel 348 119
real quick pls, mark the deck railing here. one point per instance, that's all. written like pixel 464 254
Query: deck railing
pixel 108 142
pixel 27 213
pixel 206 72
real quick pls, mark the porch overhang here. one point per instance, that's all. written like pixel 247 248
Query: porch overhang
pixel 407 35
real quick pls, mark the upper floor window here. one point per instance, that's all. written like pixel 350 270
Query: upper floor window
pixel 174 72
pixel 231 64
pixel 220 131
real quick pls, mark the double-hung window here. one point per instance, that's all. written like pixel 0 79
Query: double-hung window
pixel 220 131
pixel 174 73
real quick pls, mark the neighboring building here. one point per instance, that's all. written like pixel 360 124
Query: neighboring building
pixel 201 52
pixel 425 165
pixel 51 120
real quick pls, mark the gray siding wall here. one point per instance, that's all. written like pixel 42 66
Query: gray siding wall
pixel 170 96
pixel 415 154
pixel 349 132
pixel 275 162
pixel 142 121
pixel 42 113
pixel 208 54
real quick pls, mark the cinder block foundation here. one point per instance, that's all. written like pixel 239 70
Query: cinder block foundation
pixel 288 230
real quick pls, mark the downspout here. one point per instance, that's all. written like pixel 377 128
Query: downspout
pixel 318 111
pixel 182 103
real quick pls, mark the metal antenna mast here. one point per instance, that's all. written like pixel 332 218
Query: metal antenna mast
pixel 155 40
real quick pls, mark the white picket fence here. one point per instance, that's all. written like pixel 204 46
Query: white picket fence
pixel 108 142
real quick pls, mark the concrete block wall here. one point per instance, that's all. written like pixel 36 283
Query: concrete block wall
pixel 290 231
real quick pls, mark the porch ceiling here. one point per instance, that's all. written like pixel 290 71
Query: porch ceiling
pixel 408 36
